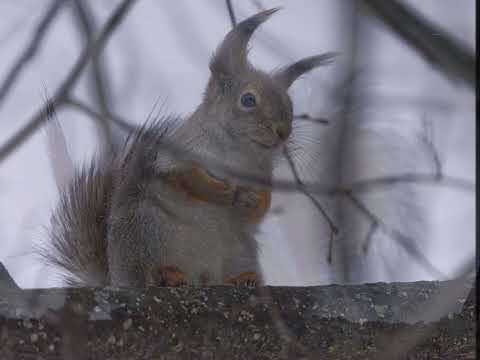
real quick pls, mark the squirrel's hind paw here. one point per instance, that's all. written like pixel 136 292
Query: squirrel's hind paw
pixel 169 275
pixel 244 278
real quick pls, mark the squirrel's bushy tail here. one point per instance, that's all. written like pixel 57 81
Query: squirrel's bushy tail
pixel 78 243
pixel 77 230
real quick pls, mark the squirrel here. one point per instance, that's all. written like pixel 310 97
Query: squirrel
pixel 169 208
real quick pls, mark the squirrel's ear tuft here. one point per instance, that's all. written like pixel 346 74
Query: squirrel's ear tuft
pixel 231 56
pixel 287 75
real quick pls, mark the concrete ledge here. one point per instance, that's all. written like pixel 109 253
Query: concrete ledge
pixel 421 320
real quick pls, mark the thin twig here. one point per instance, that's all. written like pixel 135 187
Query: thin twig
pixel 32 48
pixel 80 105
pixel 369 238
pixel 427 139
pixel 330 247
pixel 301 187
pixel 437 46
pixel 374 184
pixel 63 91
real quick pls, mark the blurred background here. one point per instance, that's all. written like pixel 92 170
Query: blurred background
pixel 386 134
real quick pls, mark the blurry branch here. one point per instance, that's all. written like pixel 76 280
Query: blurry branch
pixel 427 138
pixel 374 227
pixel 99 79
pixel 435 179
pixel 32 47
pixel 438 47
pixel 231 13
pixel 344 94
pixel 62 93
pixel 407 243
pixel 307 117
pixel 81 106
pixel 428 102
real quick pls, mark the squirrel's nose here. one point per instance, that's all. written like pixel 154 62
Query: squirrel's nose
pixel 282 130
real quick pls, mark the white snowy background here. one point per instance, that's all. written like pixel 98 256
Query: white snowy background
pixel 160 53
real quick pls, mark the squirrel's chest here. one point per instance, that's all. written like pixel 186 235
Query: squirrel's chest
pixel 208 246
pixel 209 228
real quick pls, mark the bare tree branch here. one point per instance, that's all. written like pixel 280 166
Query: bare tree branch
pixel 32 48
pixel 330 247
pixel 301 188
pixel 62 93
pixel 79 105
pixel 99 79
pixel 369 238
pixel 367 185
pixel 438 47
pixel 345 96
pixel 427 139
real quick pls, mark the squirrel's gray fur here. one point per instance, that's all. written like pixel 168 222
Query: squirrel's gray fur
pixel 119 216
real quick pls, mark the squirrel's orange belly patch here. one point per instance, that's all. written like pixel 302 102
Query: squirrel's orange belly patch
pixel 197 185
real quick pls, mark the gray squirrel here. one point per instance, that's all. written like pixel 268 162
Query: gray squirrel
pixel 169 207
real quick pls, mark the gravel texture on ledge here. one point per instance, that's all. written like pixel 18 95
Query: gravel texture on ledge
pixel 421 320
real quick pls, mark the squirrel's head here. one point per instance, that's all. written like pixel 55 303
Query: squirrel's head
pixel 254 106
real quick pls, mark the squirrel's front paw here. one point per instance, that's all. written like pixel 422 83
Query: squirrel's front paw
pixel 255 202
pixel 169 275
pixel 247 277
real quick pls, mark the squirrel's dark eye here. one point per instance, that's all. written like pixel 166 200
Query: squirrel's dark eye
pixel 248 100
